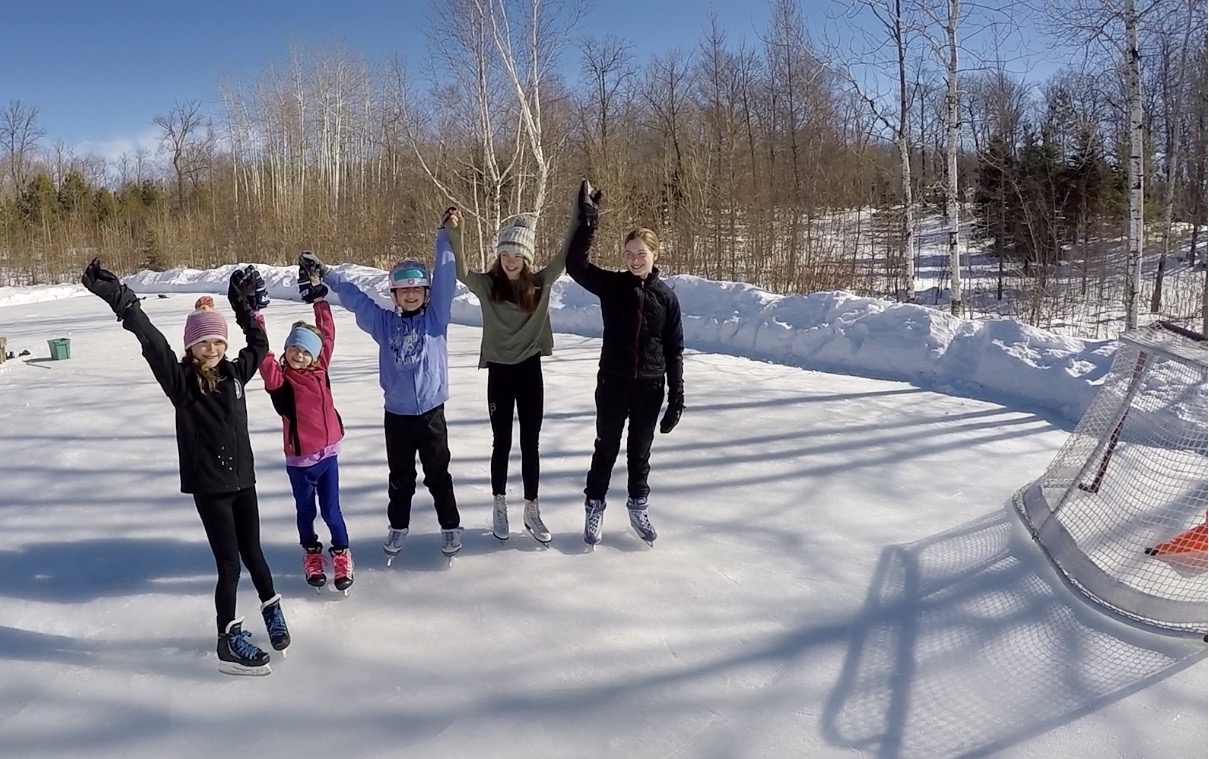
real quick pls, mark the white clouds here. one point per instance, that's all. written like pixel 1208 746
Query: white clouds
pixel 112 149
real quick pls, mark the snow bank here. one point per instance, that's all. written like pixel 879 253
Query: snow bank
pixel 1002 361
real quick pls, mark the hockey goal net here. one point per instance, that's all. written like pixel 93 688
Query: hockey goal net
pixel 1122 508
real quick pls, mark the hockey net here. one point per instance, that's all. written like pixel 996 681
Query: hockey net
pixel 1122 508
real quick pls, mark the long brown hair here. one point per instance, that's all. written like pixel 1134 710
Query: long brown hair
pixel 523 291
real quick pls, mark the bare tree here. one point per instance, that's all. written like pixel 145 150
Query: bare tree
pixel 19 136
pixel 607 64
pixel 1175 97
pixel 179 134
pixel 1112 26
pixel 891 16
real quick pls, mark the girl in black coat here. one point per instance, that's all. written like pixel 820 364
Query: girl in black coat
pixel 641 360
pixel 215 451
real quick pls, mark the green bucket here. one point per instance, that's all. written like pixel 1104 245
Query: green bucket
pixel 60 348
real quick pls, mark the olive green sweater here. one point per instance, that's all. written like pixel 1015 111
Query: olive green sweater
pixel 511 335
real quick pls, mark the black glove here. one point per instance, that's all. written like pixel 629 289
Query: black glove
pixel 247 290
pixel 316 270
pixel 675 407
pixel 240 288
pixel 260 293
pixel 105 285
pixel 310 287
pixel 588 205
pixel 451 215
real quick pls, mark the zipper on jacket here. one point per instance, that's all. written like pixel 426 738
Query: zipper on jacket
pixel 638 328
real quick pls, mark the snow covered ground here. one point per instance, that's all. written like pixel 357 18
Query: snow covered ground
pixel 838 571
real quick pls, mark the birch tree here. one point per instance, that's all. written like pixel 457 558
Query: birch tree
pixel 899 30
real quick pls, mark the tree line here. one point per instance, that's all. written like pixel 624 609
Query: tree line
pixel 779 163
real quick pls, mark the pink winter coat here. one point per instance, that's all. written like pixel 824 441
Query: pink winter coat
pixel 309 421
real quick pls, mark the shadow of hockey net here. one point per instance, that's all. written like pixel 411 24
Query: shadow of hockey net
pixel 1121 510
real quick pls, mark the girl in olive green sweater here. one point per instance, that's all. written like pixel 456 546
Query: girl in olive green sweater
pixel 515 299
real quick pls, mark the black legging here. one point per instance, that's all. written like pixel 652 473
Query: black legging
pixel 516 386
pixel 232 522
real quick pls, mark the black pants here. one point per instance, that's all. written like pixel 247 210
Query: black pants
pixel 427 435
pixel 232 522
pixel 616 399
pixel 516 386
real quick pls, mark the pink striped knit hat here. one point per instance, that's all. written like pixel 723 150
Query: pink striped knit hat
pixel 204 323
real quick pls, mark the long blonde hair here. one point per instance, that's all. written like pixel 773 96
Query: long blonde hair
pixel 208 377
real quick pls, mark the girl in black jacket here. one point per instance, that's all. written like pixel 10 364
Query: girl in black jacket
pixel 643 343
pixel 215 451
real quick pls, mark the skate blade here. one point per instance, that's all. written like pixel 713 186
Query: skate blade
pixel 500 539
pixel 237 670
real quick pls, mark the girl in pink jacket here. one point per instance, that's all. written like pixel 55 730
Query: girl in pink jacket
pixel 311 431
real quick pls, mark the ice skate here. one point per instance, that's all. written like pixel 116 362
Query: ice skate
pixel 342 568
pixel 640 519
pixel 274 622
pixel 594 521
pixel 452 543
pixel 393 544
pixel 238 655
pixel 313 566
pixel 499 517
pixel 534 524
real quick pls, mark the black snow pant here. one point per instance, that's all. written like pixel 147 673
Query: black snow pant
pixel 232 522
pixel 619 398
pixel 516 386
pixel 428 436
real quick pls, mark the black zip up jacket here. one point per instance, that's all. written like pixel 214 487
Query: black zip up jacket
pixel 212 438
pixel 643 333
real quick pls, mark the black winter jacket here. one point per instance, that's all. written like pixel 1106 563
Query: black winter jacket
pixel 212 438
pixel 643 333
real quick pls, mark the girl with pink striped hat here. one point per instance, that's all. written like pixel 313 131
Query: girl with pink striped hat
pixel 215 451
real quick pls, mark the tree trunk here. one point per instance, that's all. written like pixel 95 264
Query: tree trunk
pixel 952 209
pixel 1133 254
pixel 1175 113
pixel 904 155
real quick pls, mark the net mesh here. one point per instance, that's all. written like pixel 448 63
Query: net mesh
pixel 1122 508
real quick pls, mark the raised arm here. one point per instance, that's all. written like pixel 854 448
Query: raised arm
pixel 248 362
pixel 326 325
pixel 590 276
pixel 270 370
pixel 444 282
pixel 558 262
pixel 475 281
pixel 370 317
pixel 164 364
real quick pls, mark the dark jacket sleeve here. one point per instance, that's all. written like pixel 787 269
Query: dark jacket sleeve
pixel 589 276
pixel 165 365
pixel 247 363
pixel 673 347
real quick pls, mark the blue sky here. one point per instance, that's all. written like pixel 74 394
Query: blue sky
pixel 100 71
